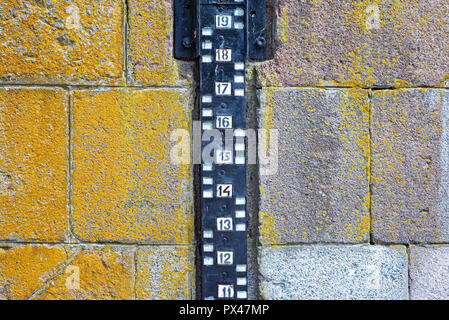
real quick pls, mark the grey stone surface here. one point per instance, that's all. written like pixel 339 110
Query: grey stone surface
pixel 429 273
pixel 410 171
pixel 333 272
pixel 359 43
pixel 320 191
pixel 165 273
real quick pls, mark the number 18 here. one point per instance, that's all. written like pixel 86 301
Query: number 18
pixel 223 55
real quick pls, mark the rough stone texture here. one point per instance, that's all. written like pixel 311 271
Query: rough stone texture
pixel 26 269
pixel 320 191
pixel 410 146
pixel 150 56
pixel 166 273
pixel 125 187
pixel 333 272
pixel 359 43
pixel 43 272
pixel 61 42
pixel 104 273
pixel 33 164
pixel 429 273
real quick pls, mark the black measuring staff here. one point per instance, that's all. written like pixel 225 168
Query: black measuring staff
pixel 226 33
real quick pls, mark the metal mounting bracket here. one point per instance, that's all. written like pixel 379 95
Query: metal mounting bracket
pixel 186 28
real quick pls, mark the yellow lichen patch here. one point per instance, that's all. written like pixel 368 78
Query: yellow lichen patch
pixel 401 84
pixel 356 69
pixel 359 230
pixel 94 273
pixel 445 82
pixel 26 269
pixel 267 229
pixel 266 76
pixel 400 248
pixel 282 25
pixel 150 43
pixel 267 115
pixel 125 187
pixel 165 273
pixel 33 164
pixel 356 119
pixel 79 41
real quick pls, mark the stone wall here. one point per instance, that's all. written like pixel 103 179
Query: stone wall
pixel 91 207
pixel 359 207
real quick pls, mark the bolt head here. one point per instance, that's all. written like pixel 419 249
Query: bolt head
pixel 187 42
pixel 261 42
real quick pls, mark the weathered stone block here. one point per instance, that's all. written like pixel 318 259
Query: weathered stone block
pixel 150 55
pixel 320 191
pixel 359 43
pixel 27 269
pixel 125 186
pixel 166 273
pixel 34 164
pixel 410 146
pixel 61 42
pixel 66 272
pixel 429 273
pixel 333 272
pixel 93 273
pixel 86 272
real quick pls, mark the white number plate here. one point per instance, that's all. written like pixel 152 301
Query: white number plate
pixel 224 191
pixel 224 224
pixel 223 122
pixel 225 291
pixel 223 21
pixel 223 55
pixel 224 157
pixel 225 257
pixel 223 88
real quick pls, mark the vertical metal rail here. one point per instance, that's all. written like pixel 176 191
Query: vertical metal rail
pixel 223 177
pixel 227 32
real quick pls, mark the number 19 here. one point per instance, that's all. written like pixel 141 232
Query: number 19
pixel 223 21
